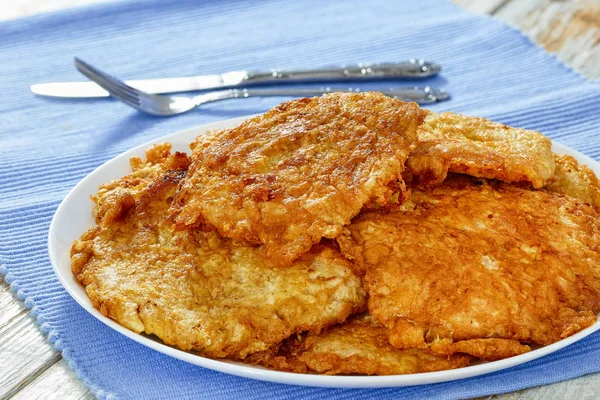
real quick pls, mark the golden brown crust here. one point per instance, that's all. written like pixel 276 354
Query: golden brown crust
pixel 114 198
pixel 467 268
pixel 489 349
pixel 470 260
pixel 450 142
pixel 198 291
pixel 359 346
pixel 575 180
pixel 300 172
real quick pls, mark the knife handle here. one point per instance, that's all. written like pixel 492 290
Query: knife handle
pixel 406 69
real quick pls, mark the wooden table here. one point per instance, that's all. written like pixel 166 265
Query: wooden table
pixel 32 369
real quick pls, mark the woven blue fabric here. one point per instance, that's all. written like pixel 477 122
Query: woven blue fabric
pixel 49 145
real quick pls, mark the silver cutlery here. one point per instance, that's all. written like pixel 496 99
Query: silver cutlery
pixel 406 69
pixel 163 105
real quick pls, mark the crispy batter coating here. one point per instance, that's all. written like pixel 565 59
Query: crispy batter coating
pixel 575 180
pixel 122 191
pixel 300 172
pixel 359 346
pixel 480 267
pixel 198 291
pixel 451 142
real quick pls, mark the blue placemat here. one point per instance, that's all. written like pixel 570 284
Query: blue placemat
pixel 49 145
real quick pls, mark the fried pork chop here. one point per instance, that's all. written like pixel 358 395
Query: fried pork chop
pixel 300 172
pixel 575 180
pixel 196 290
pixel 450 142
pixel 480 267
pixel 359 346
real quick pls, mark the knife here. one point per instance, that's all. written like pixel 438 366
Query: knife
pixel 405 69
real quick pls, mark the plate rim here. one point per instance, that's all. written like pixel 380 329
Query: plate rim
pixel 263 374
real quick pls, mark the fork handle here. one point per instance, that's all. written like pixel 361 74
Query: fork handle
pixel 421 95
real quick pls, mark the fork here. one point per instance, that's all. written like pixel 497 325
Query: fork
pixel 165 106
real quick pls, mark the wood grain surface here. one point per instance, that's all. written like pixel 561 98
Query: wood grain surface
pixel 568 28
pixel 32 369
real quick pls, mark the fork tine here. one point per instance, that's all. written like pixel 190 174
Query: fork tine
pixel 114 90
pixel 84 67
pixel 95 74
pixel 106 76
pixel 148 103
pixel 121 91
pixel 127 99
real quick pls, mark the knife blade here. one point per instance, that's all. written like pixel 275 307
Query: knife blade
pixel 406 69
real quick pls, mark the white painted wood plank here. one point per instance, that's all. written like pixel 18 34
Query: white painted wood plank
pixel 571 29
pixel 10 306
pixel 584 388
pixel 58 382
pixel 481 6
pixel 24 353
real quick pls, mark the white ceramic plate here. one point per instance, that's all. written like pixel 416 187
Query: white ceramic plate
pixel 74 216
